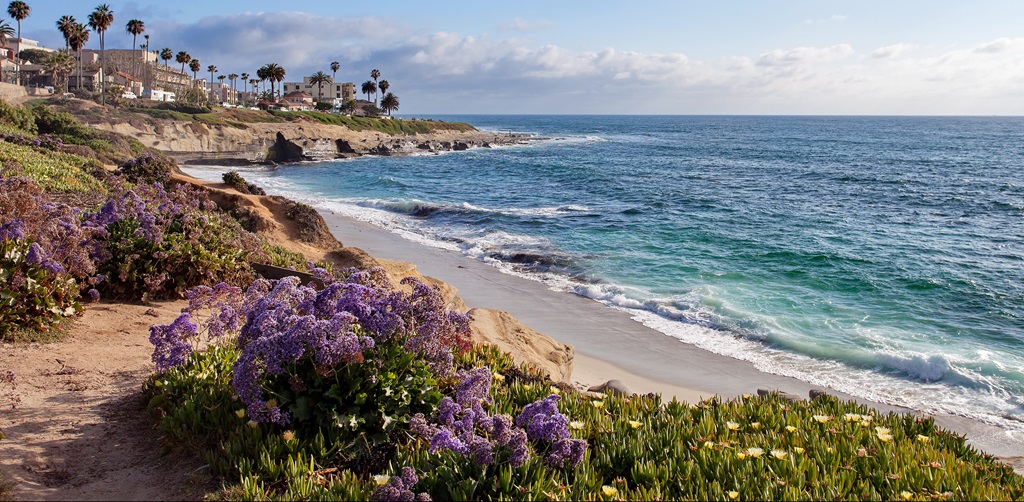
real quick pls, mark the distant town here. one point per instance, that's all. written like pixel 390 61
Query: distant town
pixel 148 73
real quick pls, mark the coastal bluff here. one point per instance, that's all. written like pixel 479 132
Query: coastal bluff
pixel 242 137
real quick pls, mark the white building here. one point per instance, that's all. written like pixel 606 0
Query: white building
pixel 345 91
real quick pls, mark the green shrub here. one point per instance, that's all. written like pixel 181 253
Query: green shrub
pixel 50 121
pixel 236 181
pixel 34 291
pixel 147 168
pixel 17 117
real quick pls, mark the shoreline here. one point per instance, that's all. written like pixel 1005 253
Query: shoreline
pixel 610 344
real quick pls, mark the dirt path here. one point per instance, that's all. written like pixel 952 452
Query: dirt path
pixel 81 430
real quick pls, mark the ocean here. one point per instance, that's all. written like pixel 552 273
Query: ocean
pixel 879 256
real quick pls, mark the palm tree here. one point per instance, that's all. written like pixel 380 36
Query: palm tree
pixel 245 80
pixel 221 78
pixel 64 25
pixel 99 20
pixel 375 74
pixel 252 83
pixel 135 27
pixel 184 58
pixel 335 66
pixel 369 87
pixel 6 32
pixel 77 37
pixel 383 86
pixel 212 69
pixel 60 64
pixel 275 73
pixel 195 67
pixel 167 55
pixel 232 77
pixel 261 73
pixel 319 78
pixel 19 10
pixel 389 102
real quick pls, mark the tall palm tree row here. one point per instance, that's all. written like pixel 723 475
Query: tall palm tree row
pixel 335 66
pixel 19 10
pixel 383 86
pixel 135 28
pixel 245 82
pixel 184 58
pixel 195 66
pixel 272 72
pixel 100 20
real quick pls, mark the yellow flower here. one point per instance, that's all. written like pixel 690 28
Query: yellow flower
pixel 240 413
pixel 756 425
pixel 865 423
pixel 732 425
pixel 755 452
pixel 287 435
pixel 709 444
pixel 790 428
pixel 634 424
pixel 598 395
pixel 746 396
pixel 526 386
pixel 498 377
pixel 923 439
pixel 381 479
pixel 866 418
pixel 597 404
pixel 609 491
pixel 779 454
pixel 885 438
pixel 821 418
pixel 253 424
pixel 272 403
pixel 829 449
pixel 554 390
pixel 906 495
pixel 741 455
pixel 852 417
pixel 882 430
pixel 798 449
pixel 576 425
pixel 733 494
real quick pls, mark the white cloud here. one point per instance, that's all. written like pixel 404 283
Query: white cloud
pixel 835 18
pixel 803 55
pixel 890 51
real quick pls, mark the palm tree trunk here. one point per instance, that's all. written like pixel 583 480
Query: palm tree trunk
pixel 133 55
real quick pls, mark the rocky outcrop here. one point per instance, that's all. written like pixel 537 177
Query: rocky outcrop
pixel 241 144
pixel 500 329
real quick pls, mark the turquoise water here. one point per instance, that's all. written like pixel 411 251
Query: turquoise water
pixel 881 256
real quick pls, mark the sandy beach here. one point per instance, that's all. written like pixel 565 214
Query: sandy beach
pixel 609 344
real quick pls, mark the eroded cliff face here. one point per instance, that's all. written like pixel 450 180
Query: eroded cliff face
pixel 198 142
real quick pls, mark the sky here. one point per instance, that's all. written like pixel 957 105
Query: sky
pixel 794 57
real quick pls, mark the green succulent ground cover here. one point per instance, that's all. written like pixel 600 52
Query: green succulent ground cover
pixel 54 171
pixel 640 448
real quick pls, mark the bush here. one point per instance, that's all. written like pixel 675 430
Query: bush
pixel 236 181
pixel 157 243
pixel 35 290
pixel 18 117
pixel 147 168
pixel 50 121
pixel 311 226
pixel 184 107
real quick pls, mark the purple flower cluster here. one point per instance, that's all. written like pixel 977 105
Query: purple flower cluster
pixel 172 343
pixel 282 323
pixel 544 423
pixel 44 141
pixel 399 488
pixel 463 427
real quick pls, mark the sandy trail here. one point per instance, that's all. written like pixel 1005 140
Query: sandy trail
pixel 81 430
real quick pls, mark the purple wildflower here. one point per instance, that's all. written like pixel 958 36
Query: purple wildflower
pixel 35 254
pixel 566 451
pixel 172 342
pixel 542 420
pixel 94 295
pixel 12 230
pixel 399 488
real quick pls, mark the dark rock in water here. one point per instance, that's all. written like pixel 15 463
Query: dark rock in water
pixel 424 146
pixel 458 146
pixel 785 395
pixel 815 394
pixel 612 387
